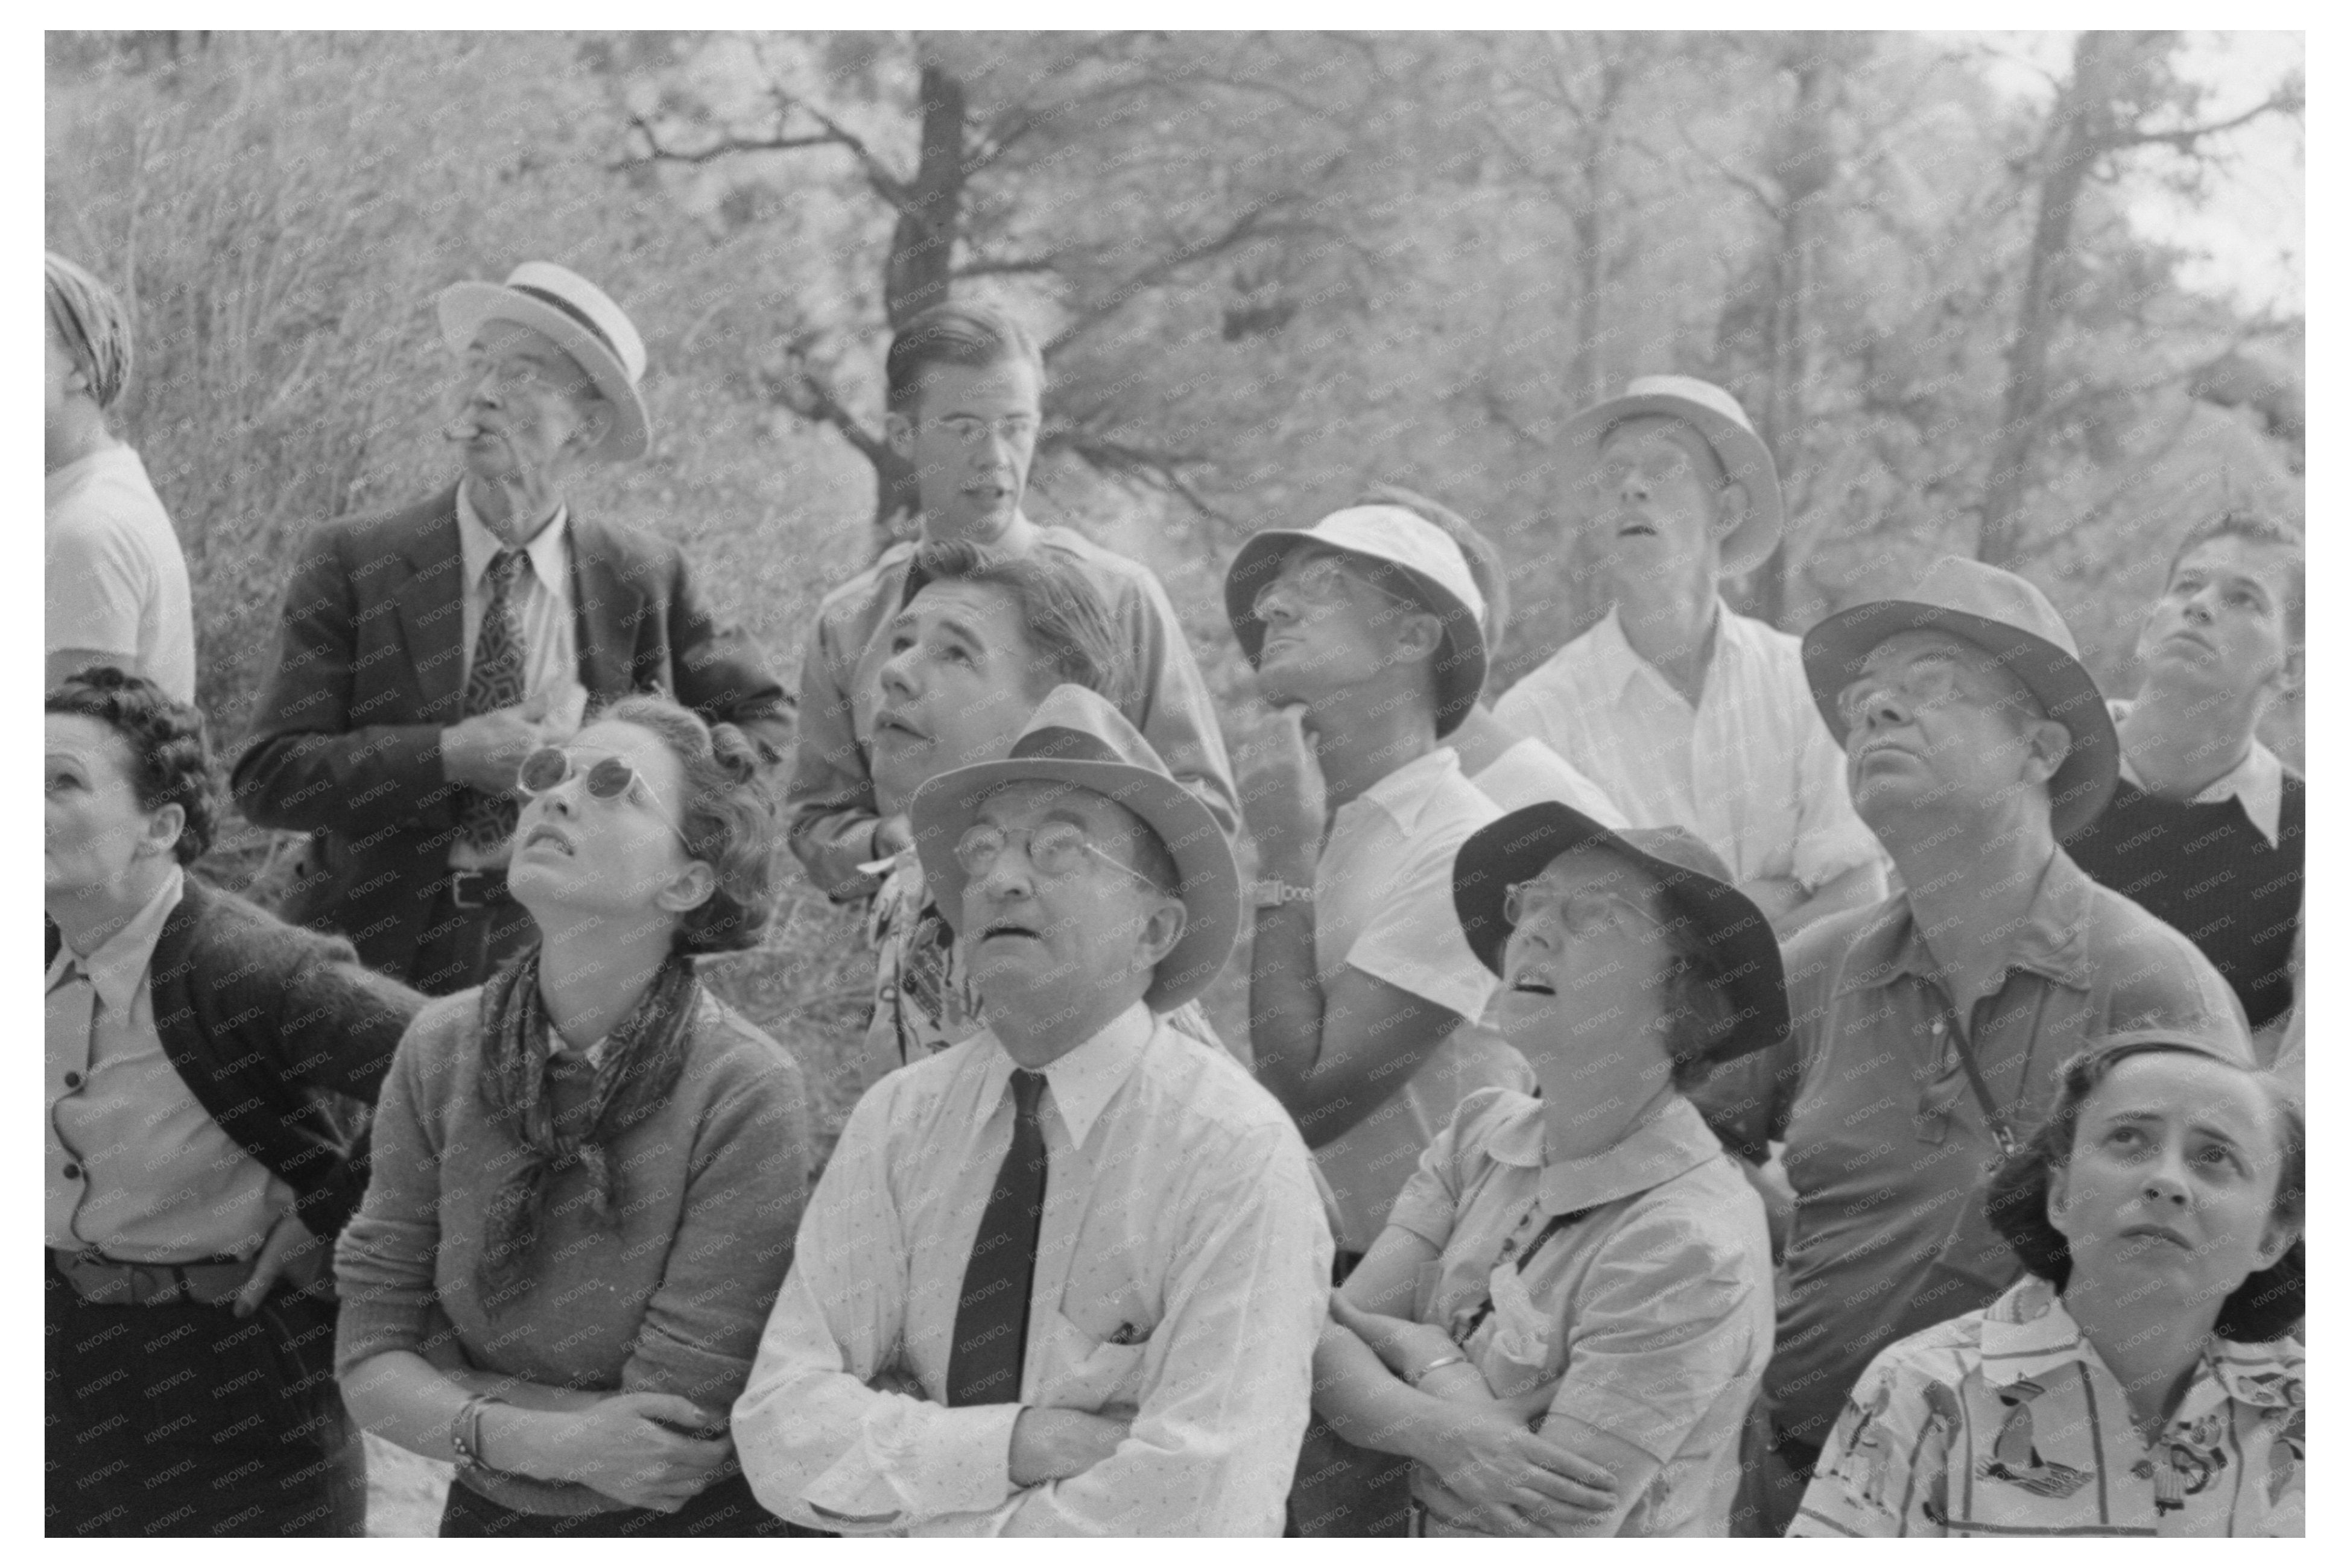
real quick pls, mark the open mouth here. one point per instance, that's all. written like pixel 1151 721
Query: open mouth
pixel 544 835
pixel 888 723
pixel 1530 986
pixel 1636 530
pixel 995 928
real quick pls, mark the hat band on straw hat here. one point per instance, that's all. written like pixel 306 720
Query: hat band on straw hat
pixel 546 296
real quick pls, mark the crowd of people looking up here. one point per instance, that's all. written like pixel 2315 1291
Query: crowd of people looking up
pixel 1731 1083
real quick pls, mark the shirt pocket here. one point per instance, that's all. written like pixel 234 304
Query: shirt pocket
pixel 1096 1342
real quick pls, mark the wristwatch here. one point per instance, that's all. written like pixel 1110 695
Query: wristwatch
pixel 1265 894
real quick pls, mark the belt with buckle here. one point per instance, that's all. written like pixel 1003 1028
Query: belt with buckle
pixel 478 889
pixel 102 1281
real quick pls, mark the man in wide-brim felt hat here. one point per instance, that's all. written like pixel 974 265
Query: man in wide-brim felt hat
pixel 1134 1185
pixel 423 653
pixel 1929 1028
pixel 1684 711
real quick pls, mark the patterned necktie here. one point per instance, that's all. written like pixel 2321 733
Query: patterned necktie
pixel 495 681
pixel 990 1327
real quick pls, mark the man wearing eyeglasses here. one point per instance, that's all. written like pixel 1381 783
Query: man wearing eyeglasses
pixel 1929 1028
pixel 1064 1277
pixel 424 653
pixel 965 388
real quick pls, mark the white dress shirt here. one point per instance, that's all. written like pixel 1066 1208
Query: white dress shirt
pixel 1750 770
pixel 541 600
pixel 1183 1275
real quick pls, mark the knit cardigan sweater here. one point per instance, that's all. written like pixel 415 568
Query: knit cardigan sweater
pixel 672 1301
pixel 283 1036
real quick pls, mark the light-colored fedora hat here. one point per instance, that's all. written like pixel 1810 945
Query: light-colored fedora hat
pixel 1076 737
pixel 1716 416
pixel 2012 621
pixel 582 320
pixel 1429 561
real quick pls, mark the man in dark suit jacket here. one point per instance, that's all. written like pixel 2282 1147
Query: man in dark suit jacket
pixel 424 653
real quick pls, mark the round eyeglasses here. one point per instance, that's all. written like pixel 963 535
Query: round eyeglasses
pixel 1055 850
pixel 608 779
pixel 1583 915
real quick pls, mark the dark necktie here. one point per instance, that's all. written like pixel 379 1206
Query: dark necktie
pixel 991 1329
pixel 494 682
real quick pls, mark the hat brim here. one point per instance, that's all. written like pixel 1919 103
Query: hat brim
pixel 1459 673
pixel 463 309
pixel 1742 951
pixel 946 806
pixel 2080 788
pixel 1744 457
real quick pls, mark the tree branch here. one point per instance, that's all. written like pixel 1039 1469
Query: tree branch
pixel 2184 140
pixel 724 147
pixel 1253 223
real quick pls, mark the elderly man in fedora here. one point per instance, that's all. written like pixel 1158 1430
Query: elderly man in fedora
pixel 1928 1029
pixel 1065 1277
pixel 423 653
pixel 1682 711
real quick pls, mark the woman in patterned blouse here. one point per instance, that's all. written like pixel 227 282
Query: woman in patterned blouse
pixel 2144 1379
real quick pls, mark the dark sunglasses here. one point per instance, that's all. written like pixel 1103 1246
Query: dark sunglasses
pixel 607 778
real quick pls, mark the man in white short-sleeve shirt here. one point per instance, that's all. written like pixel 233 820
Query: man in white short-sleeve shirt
pixel 1684 712
pixel 116 582
pixel 1363 632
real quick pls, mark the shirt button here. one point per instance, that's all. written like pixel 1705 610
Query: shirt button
pixel 73 1080
pixel 1938 1026
pixel 73 1171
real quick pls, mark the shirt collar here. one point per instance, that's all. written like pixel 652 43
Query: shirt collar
pixel 1620 665
pixel 118 968
pixel 2027 1333
pixel 1082 1080
pixel 2257 783
pixel 1407 793
pixel 2053 939
pixel 476 543
pixel 1669 1145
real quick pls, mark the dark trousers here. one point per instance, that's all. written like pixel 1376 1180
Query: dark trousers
pixel 723 1508
pixel 461 947
pixel 188 1420
pixel 1773 1471
pixel 1339 1490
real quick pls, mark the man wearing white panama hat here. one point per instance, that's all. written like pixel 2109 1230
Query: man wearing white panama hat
pixel 1066 1276
pixel 1928 1029
pixel 424 652
pixel 1683 712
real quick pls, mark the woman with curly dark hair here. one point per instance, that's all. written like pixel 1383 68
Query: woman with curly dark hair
pixel 207 1067
pixel 2145 1378
pixel 588 1171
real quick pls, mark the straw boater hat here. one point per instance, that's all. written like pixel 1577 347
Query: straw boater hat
pixel 1742 955
pixel 583 321
pixel 1717 417
pixel 1426 557
pixel 2013 622
pixel 1076 737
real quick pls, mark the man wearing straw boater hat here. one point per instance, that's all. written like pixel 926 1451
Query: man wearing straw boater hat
pixel 1928 1029
pixel 1684 712
pixel 423 653
pixel 1065 1277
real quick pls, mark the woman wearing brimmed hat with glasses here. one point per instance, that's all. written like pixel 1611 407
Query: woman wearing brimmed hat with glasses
pixel 1570 1307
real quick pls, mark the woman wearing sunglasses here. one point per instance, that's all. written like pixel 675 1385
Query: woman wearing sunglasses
pixel 588 1171
pixel 1571 1304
